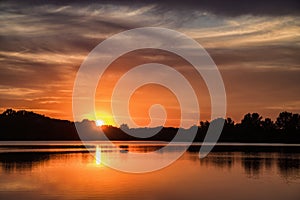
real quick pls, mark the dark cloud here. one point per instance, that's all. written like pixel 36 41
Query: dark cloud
pixel 218 7
pixel 38 29
pixel 275 57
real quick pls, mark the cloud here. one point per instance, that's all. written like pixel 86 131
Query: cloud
pixel 17 92
pixel 247 30
pixel 42 44
pixel 226 7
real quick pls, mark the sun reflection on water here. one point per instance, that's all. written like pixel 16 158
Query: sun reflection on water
pixel 98 155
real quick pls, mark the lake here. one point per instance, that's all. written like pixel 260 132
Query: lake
pixel 66 170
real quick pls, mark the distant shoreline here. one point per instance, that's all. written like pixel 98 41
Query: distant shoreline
pixel 140 142
pixel 29 126
pixel 11 147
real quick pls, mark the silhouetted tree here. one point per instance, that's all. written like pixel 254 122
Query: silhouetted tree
pixel 124 127
pixel 288 122
pixel 251 121
pixel 229 123
pixel 268 124
pixel 204 125
pixel 9 113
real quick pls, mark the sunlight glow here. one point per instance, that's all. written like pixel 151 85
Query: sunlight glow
pixel 99 122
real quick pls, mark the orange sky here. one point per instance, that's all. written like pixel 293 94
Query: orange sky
pixel 151 94
pixel 42 47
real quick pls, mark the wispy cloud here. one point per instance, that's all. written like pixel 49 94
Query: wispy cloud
pixel 18 92
pixel 254 43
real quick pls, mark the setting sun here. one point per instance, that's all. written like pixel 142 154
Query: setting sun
pixel 99 122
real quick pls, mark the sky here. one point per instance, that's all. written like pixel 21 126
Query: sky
pixel 255 45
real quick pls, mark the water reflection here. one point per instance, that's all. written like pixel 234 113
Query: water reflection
pixel 224 160
pixel 289 166
pixel 63 174
pixel 22 161
pixel 98 155
pixel 253 163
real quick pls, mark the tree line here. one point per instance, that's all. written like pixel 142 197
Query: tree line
pixel 254 128
pixel 24 125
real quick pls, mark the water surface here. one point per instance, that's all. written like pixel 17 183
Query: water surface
pixel 66 170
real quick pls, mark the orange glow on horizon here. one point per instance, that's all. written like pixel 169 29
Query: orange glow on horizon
pixel 150 94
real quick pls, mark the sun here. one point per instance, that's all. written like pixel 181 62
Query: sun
pixel 99 122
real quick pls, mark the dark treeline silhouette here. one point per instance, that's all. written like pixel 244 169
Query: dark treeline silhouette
pixel 24 125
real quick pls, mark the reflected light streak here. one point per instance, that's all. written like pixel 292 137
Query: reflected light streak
pixel 98 155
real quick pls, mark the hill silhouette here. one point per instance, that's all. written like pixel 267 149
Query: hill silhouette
pixel 29 126
pixel 24 125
